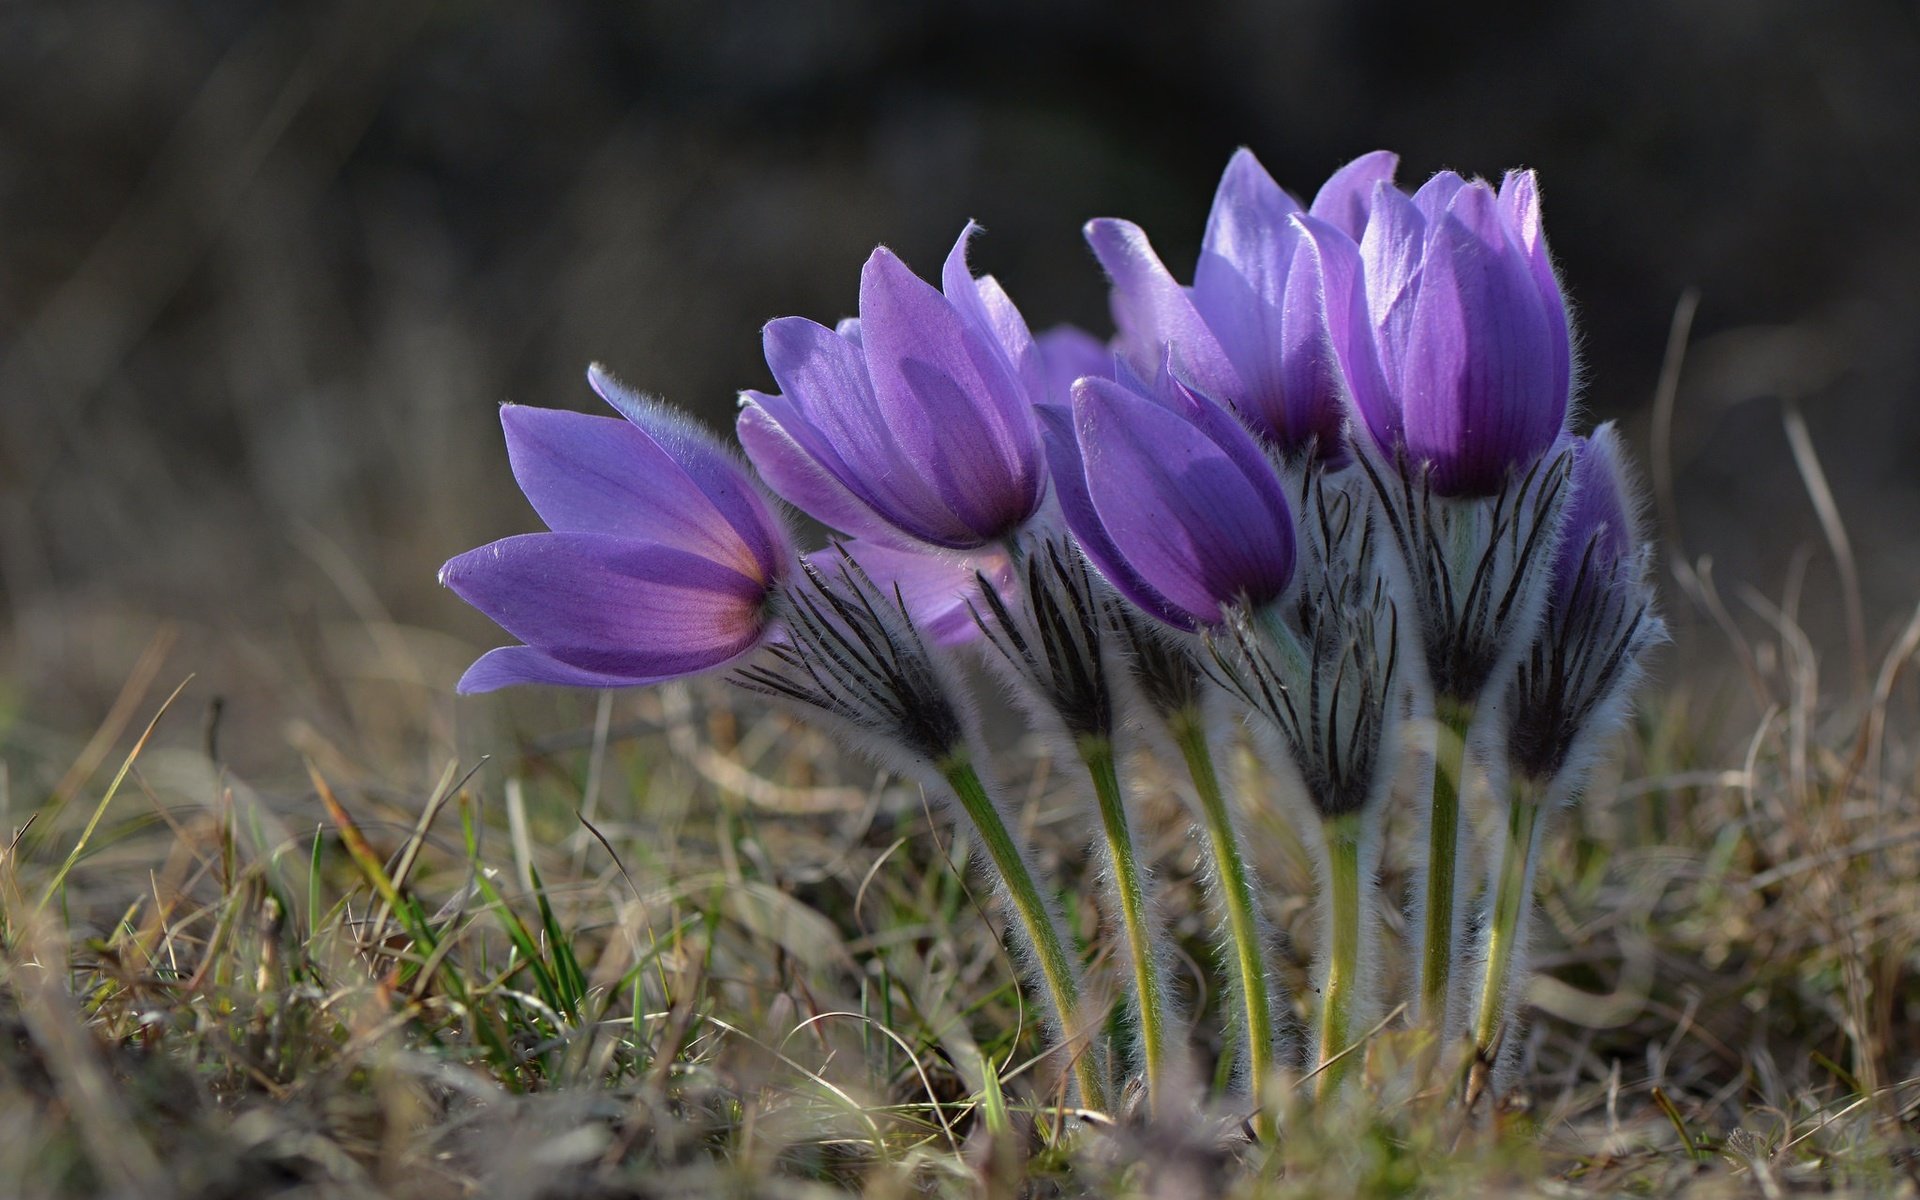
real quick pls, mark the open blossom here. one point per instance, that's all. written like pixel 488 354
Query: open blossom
pixel 663 559
pixel 1251 331
pixel 913 425
pixel 1174 502
pixel 1450 326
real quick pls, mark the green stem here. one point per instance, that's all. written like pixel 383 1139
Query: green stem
pixel 1237 899
pixel 1455 718
pixel 1510 899
pixel 1150 996
pixel 1343 963
pixel 1057 971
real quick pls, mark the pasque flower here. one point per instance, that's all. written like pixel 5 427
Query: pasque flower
pixel 1452 339
pixel 1188 518
pixel 664 557
pixel 1173 501
pixel 1449 326
pixel 1570 687
pixel 1569 693
pixel 1251 332
pixel 913 425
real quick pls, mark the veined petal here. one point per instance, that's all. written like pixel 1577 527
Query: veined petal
pixel 1520 205
pixel 1229 435
pixel 589 474
pixel 1009 327
pixel 1247 222
pixel 985 305
pixel 829 411
pixel 800 478
pixel 1477 209
pixel 1350 330
pixel 694 455
pixel 1391 255
pixel 1346 198
pixel 1309 368
pixel 1177 506
pixel 951 402
pixel 1240 287
pixel 1437 193
pixel 1076 506
pixel 510 666
pixel 613 605
pixel 1477 396
pixel 1154 312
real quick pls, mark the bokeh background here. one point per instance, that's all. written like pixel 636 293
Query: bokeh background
pixel 266 269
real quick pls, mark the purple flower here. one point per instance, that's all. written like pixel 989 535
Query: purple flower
pixel 662 562
pixel 914 426
pixel 1252 329
pixel 1173 501
pixel 1450 326
pixel 1597 539
pixel 1573 684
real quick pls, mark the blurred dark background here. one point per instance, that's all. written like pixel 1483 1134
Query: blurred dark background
pixel 265 270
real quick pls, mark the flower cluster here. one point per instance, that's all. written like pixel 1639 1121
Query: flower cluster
pixel 1326 491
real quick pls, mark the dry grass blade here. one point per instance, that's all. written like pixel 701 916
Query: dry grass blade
pixel 100 810
pixel 1814 478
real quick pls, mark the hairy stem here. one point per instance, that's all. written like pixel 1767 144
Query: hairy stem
pixel 1511 896
pixel 1238 909
pixel 1149 987
pixel 1439 948
pixel 1343 962
pixel 1058 973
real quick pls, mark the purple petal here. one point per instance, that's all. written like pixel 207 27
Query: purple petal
pixel 1597 529
pixel 1009 328
pixel 589 474
pixel 1181 509
pixel 1249 213
pixel 985 305
pixel 940 591
pixel 1436 195
pixel 1478 397
pixel 848 328
pixel 695 457
pixel 952 403
pixel 1391 254
pixel 830 412
pixel 1477 208
pixel 510 666
pixel 1343 302
pixel 612 605
pixel 1346 198
pixel 798 477
pixel 1520 205
pixel 1076 505
pixel 1241 288
pixel 1154 312
pixel 1068 353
